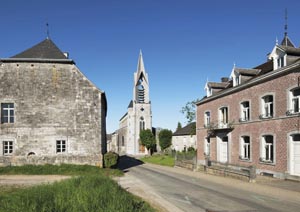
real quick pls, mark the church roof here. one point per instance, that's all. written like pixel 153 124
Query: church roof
pixel 45 51
pixel 130 104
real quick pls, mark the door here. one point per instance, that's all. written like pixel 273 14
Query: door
pixel 296 159
pixel 224 150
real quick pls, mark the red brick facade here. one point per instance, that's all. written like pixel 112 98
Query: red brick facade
pixel 281 126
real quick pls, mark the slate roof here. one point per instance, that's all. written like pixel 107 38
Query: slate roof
pixel 287 42
pixel 130 104
pixel 247 72
pixel 187 130
pixel 218 84
pixel 45 51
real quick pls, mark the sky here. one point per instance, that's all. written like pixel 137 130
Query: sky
pixel 184 43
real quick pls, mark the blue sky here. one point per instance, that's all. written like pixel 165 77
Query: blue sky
pixel 184 43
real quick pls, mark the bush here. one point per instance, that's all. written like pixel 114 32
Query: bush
pixel 191 149
pixel 110 159
pixel 165 139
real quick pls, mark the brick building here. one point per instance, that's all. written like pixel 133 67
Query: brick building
pixel 50 112
pixel 252 118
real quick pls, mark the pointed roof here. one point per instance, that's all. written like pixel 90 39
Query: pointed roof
pixel 286 41
pixel 45 51
pixel 140 66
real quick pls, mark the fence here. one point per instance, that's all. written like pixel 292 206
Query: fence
pixel 186 160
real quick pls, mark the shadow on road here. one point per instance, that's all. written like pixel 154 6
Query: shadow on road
pixel 126 162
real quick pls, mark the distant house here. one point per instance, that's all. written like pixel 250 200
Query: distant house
pixel 50 112
pixel 184 138
pixel 252 119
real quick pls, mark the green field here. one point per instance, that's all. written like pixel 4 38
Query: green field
pixel 91 189
pixel 165 160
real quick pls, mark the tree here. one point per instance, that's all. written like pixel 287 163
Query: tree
pixel 165 138
pixel 178 126
pixel 148 140
pixel 189 110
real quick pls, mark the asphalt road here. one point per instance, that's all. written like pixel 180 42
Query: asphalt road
pixel 189 193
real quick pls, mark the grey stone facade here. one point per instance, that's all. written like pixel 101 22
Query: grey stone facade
pixel 59 116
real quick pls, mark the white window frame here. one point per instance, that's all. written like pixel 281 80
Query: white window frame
pixel 207 117
pixel 294 109
pixel 265 149
pixel 245 148
pixel 8 147
pixel 8 109
pixel 267 108
pixel 223 117
pixel 245 112
pixel 61 146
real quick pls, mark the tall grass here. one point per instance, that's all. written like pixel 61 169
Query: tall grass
pixel 89 190
pixel 63 169
pixel 80 194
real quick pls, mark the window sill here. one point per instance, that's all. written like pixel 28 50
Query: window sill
pixel 245 160
pixel 271 163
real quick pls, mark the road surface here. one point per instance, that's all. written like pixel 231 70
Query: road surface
pixel 183 190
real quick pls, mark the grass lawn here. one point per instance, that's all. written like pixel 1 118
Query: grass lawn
pixel 165 160
pixel 91 189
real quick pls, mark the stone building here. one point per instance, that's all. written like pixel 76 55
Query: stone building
pixel 137 117
pixel 253 119
pixel 184 138
pixel 50 112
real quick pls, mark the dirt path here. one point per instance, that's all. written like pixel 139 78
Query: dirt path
pixel 30 180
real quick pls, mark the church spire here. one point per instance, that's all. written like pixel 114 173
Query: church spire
pixel 140 66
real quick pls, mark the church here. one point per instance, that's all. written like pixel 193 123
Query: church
pixel 138 116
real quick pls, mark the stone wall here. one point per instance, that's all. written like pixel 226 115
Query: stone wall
pixel 52 101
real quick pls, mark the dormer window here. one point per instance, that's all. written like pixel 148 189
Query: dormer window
pixel 280 62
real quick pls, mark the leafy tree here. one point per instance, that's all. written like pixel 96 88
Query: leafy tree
pixel 148 140
pixel 178 126
pixel 189 110
pixel 165 138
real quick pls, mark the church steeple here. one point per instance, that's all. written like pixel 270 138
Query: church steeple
pixel 141 87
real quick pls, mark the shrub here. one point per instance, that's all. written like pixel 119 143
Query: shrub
pixel 165 139
pixel 110 159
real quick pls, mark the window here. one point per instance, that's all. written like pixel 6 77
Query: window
pixel 207 146
pixel 7 113
pixel 267 107
pixel 245 111
pixel 223 117
pixel 267 149
pixel 142 123
pixel 123 141
pixel 294 101
pixel 280 62
pixel 245 148
pixel 206 119
pixel 7 147
pixel 60 146
pixel 140 92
